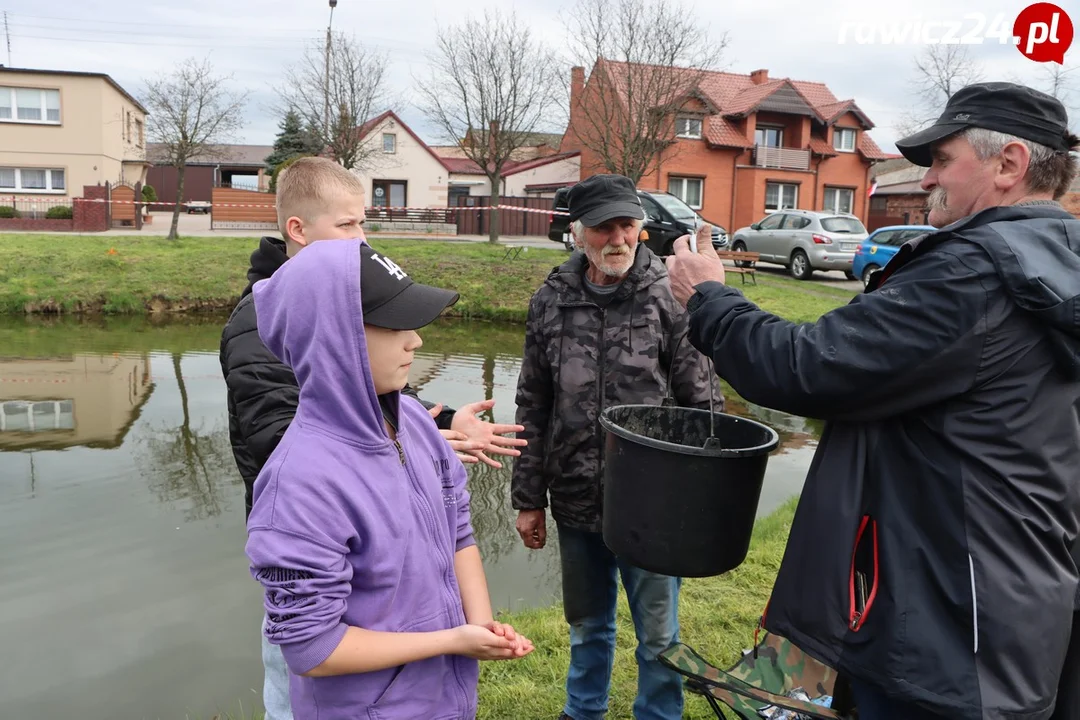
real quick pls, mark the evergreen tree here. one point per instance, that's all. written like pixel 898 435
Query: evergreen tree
pixel 293 139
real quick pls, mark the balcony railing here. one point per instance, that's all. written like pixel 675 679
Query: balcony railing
pixel 783 158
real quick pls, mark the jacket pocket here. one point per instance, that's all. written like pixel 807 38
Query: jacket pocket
pixel 864 574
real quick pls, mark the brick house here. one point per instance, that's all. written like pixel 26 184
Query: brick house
pixel 742 146
pixel 899 198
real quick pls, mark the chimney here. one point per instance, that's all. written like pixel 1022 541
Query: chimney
pixel 577 85
pixel 759 77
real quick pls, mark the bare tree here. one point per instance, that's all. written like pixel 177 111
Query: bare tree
pixel 334 89
pixel 491 85
pixel 1062 84
pixel 192 113
pixel 939 71
pixel 647 57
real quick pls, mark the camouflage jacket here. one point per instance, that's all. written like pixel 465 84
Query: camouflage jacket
pixel 584 355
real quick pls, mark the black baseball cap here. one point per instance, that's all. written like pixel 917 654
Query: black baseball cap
pixel 391 299
pixel 600 198
pixel 1005 107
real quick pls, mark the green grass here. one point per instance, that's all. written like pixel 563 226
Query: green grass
pixel 717 617
pixel 134 275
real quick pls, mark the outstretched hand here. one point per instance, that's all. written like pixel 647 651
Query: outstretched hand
pixel 687 269
pixel 473 439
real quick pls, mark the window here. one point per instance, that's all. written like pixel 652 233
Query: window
pixel 688 127
pixel 389 143
pixel 29 105
pixel 795 222
pixel 26 416
pixel 779 196
pixel 839 200
pixel 771 223
pixel 769 136
pixel 879 204
pixel 686 189
pixel 842 225
pixel 42 180
pixel 140 138
pixel 843 139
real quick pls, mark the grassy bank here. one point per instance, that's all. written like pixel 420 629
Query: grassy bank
pixel 125 275
pixel 716 616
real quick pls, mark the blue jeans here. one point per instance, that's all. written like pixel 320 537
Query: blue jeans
pixel 873 705
pixel 275 681
pixel 590 579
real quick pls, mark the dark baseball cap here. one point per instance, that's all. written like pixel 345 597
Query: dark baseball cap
pixel 1005 107
pixel 600 198
pixel 391 299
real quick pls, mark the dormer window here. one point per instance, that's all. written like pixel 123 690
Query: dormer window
pixel 688 127
pixel 844 139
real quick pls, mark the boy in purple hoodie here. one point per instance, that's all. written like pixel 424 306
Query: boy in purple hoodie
pixel 360 529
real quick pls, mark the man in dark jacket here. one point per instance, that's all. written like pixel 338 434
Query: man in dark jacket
pixel 930 558
pixel 603 330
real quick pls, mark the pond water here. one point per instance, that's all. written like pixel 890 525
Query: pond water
pixel 124 589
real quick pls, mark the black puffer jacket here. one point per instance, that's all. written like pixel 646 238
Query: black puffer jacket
pixel 931 554
pixel 262 392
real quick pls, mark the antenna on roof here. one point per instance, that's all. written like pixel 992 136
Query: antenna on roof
pixel 7 32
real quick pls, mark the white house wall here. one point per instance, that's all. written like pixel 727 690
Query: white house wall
pixel 425 176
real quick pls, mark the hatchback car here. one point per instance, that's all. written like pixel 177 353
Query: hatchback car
pixel 876 250
pixel 803 241
pixel 667 218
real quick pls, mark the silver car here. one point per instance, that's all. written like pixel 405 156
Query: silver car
pixel 804 241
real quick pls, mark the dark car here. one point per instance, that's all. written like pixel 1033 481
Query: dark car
pixel 667 218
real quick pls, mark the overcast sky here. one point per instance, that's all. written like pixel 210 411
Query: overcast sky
pixel 255 40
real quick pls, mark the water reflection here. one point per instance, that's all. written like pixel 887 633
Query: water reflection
pixel 118 486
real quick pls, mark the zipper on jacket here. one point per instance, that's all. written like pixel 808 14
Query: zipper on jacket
pixel 400 451
pixel 974 605
pixel 601 381
pixel 861 593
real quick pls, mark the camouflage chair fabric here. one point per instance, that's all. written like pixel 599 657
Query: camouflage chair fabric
pixel 763 677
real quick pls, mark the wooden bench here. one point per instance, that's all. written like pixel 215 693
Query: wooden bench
pixel 748 258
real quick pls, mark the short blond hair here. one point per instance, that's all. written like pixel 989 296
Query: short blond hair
pixel 305 188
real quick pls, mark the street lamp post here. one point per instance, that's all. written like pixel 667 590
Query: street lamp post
pixel 326 79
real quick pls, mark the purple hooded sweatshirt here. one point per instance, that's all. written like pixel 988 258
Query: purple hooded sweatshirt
pixel 349 528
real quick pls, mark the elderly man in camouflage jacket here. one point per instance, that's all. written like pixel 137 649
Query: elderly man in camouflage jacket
pixel 603 330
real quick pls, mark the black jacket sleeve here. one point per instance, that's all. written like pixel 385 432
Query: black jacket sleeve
pixel 262 390
pixel 445 416
pixel 915 341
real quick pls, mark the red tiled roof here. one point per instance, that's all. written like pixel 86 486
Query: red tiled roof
pixel 736 94
pixel 537 162
pixel 462 166
pixel 870 149
pixel 821 147
pixel 719 131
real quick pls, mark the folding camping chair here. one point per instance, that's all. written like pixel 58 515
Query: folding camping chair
pixel 762 678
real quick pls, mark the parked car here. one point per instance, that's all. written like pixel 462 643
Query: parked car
pixel 667 218
pixel 803 240
pixel 876 250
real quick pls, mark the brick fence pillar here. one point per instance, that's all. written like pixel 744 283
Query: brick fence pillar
pixel 92 216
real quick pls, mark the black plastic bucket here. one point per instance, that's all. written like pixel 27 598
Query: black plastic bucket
pixel 671 506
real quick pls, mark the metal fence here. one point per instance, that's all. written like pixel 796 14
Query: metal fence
pixel 34 208
pixel 417 215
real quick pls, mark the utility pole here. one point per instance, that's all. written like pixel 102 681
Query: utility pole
pixel 326 80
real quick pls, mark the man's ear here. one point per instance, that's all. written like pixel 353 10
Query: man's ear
pixel 1014 162
pixel 294 229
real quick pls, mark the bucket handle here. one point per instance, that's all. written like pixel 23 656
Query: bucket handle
pixel 669 399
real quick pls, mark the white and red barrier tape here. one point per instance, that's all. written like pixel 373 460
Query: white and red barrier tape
pixel 369 209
